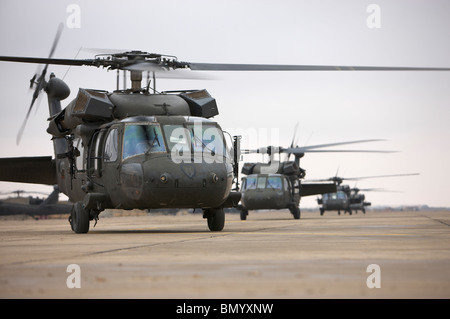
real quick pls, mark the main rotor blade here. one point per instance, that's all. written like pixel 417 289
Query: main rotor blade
pixel 379 176
pixel 217 66
pixel 89 62
pixel 296 151
pixel 343 151
pixel 281 67
pixel 378 190
pixel 311 147
pixel 314 148
pixel 337 178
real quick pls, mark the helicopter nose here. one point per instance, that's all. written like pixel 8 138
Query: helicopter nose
pixel 185 176
pixel 188 184
pixel 132 180
pixel 263 200
pixel 157 184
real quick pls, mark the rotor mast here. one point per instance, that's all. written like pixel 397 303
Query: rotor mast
pixel 136 80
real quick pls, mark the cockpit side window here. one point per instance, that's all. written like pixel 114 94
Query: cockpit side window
pixel 244 183
pixel 142 138
pixel 111 146
pixel 251 182
pixel 79 161
pixel 286 184
pixel 94 160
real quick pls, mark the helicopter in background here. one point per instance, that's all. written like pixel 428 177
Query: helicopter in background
pixel 34 206
pixel 138 148
pixel 346 198
pixel 277 184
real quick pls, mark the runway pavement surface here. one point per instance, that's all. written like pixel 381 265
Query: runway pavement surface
pixel 270 255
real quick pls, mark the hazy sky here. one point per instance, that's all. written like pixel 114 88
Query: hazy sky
pixel 411 110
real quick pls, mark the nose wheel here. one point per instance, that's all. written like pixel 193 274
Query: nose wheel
pixel 295 211
pixel 215 218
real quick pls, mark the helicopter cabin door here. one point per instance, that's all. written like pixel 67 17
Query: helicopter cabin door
pixel 72 169
pixel 94 162
pixel 110 161
pixel 79 179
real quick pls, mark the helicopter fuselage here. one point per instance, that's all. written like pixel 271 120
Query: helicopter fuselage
pixel 142 162
pixel 136 150
pixel 270 191
pixel 266 191
pixel 344 199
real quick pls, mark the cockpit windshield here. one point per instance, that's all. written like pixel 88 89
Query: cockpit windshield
pixel 263 182
pixel 142 138
pixel 341 195
pixel 199 139
pixel 274 182
pixel 207 138
pixel 177 139
pixel 338 195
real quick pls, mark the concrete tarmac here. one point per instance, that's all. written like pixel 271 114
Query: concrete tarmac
pixel 270 255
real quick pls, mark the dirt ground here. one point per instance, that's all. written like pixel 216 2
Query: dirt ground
pixel 270 255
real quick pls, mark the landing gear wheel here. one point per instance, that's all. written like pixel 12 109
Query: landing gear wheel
pixel 296 212
pixel 216 219
pixel 322 211
pixel 79 218
pixel 244 214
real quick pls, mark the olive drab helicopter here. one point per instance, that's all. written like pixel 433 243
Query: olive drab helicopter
pixel 277 184
pixel 35 207
pixel 137 148
pixel 346 198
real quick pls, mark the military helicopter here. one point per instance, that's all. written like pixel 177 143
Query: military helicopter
pixel 277 185
pixel 35 206
pixel 137 148
pixel 346 198
pixel 132 148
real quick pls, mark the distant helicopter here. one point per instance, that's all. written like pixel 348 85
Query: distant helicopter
pixel 138 148
pixel 346 198
pixel 35 206
pixel 277 185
